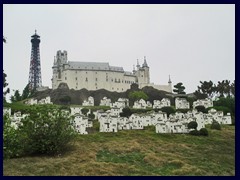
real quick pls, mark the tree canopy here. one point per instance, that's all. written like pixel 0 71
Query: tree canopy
pixel 179 88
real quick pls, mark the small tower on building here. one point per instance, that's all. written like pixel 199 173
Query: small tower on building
pixel 35 77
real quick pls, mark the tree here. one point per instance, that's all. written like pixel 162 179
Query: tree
pixel 65 99
pixel 224 88
pixel 16 97
pixel 179 88
pixel 232 88
pixel 207 88
pixel 4 39
pixel 5 84
pixel 26 92
pixel 137 95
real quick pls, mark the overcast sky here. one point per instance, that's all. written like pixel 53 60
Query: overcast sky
pixel 191 43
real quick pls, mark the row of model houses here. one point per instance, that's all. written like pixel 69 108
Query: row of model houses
pixel 175 123
pixel 180 103
pixel 110 121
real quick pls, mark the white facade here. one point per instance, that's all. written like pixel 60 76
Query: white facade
pixel 203 102
pixel 108 124
pixel 31 101
pixel 6 111
pixel 120 103
pixel 96 75
pixel 142 104
pixel 181 103
pixel 165 102
pixel 80 124
pixel 105 102
pixel 76 110
pixel 46 100
pixel 89 102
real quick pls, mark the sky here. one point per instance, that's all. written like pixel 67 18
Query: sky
pixel 191 43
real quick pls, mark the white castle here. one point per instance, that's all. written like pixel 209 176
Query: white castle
pixel 100 75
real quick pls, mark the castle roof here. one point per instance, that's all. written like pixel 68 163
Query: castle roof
pixel 93 66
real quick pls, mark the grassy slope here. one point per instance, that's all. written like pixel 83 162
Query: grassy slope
pixel 137 152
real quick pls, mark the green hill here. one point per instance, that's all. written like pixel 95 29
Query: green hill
pixel 136 152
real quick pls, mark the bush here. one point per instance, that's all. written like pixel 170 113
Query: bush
pixel 183 110
pixel 215 125
pixel 192 125
pixel 12 145
pixel 84 111
pixel 221 108
pixel 126 112
pixel 47 130
pixel 168 110
pixel 228 102
pixel 91 116
pixel 194 132
pixel 201 109
pixel 203 132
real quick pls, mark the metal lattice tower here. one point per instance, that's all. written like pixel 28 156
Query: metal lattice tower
pixel 35 78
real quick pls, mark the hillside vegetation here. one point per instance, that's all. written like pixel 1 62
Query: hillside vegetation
pixel 135 152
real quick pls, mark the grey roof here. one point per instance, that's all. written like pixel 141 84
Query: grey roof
pixel 93 66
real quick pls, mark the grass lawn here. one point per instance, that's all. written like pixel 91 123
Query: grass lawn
pixel 136 152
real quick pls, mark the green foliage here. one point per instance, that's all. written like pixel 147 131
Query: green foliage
pixel 201 109
pixel 194 132
pixel 179 88
pixel 5 84
pixel 65 99
pixel 12 145
pixel 221 108
pixel 182 110
pixel 228 102
pixel 192 125
pixel 47 130
pixel 207 88
pixel 203 132
pixel 16 97
pixel 215 125
pixel 91 116
pixel 26 92
pixel 126 112
pixel 84 111
pixel 168 110
pixel 137 95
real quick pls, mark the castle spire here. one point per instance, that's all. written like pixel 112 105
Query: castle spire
pixel 145 62
pixel 169 81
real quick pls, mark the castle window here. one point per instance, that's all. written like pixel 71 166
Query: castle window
pixel 76 84
pixel 76 78
pixel 142 75
pixel 65 78
pixel 86 79
pixel 96 87
pixel 106 79
pixel 112 88
pixel 95 72
pixel 112 80
pixel 76 72
pixel 96 79
pixel 86 72
pixel 122 89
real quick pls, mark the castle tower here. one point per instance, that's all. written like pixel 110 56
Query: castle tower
pixel 35 78
pixel 146 71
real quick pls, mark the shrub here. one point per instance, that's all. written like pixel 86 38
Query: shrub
pixel 194 132
pixel 183 110
pixel 168 110
pixel 12 146
pixel 203 132
pixel 228 102
pixel 91 116
pixel 221 108
pixel 192 125
pixel 215 125
pixel 126 112
pixel 47 130
pixel 201 109
pixel 84 111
